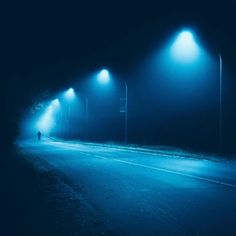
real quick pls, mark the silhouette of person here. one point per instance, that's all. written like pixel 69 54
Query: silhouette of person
pixel 39 135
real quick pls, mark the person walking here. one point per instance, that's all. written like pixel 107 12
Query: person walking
pixel 39 135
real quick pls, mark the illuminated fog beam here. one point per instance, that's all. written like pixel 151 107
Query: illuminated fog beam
pixel 55 103
pixel 46 122
pixel 103 76
pixel 184 48
pixel 70 94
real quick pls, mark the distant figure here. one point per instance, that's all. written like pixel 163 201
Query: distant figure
pixel 39 135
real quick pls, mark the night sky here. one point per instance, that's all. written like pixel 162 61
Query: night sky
pixel 48 46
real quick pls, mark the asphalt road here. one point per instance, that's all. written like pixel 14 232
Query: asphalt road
pixel 138 193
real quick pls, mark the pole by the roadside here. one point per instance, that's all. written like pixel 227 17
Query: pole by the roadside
pixel 124 109
pixel 87 117
pixel 220 103
pixel 126 113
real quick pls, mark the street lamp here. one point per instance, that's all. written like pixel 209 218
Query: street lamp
pixel 55 103
pixel 124 109
pixel 87 116
pixel 103 78
pixel 126 112
pixel 220 102
pixel 69 95
pixel 186 50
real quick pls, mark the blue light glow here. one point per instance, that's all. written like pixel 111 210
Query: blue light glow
pixel 103 76
pixel 70 94
pixel 46 122
pixel 55 103
pixel 184 48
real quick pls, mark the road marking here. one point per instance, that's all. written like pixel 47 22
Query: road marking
pixel 152 168
pixel 167 171
pixel 130 149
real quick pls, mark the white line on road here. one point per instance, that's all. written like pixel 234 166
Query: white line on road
pixel 154 168
pixel 167 171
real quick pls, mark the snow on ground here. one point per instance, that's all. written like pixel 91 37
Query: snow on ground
pixel 153 150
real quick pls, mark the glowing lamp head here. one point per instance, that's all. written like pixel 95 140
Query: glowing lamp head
pixel 103 76
pixel 185 48
pixel 55 103
pixel 70 94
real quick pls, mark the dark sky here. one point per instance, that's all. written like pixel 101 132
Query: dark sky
pixel 44 45
pixel 38 34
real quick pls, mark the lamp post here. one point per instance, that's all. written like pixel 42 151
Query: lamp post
pixel 104 78
pixel 124 109
pixel 126 112
pixel 87 116
pixel 69 95
pixel 220 102
pixel 186 50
